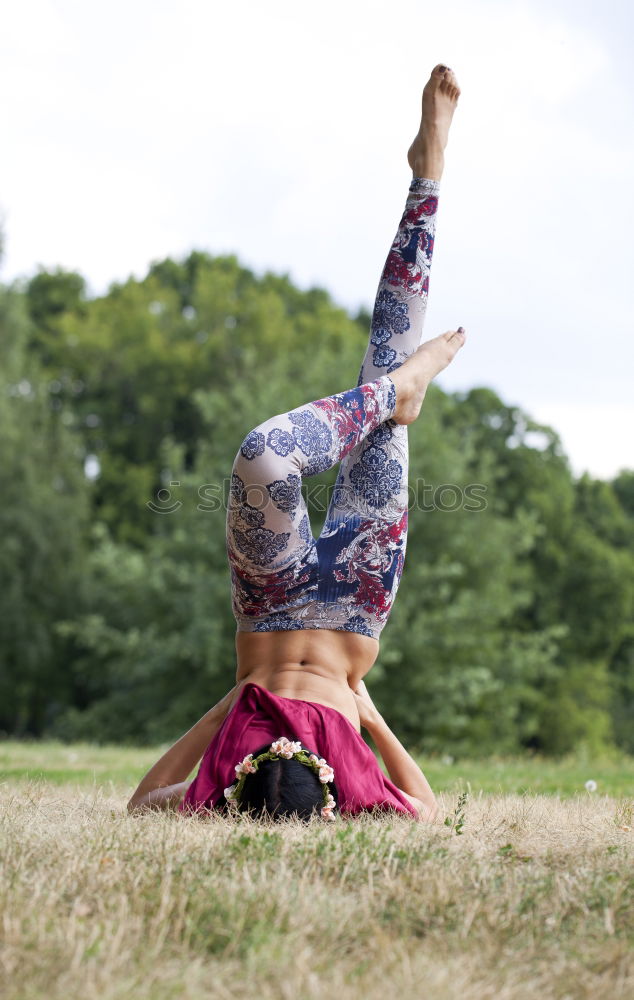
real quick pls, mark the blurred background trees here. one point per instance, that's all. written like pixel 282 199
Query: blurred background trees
pixel 120 419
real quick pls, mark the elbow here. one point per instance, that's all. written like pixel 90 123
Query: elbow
pixel 431 813
pixel 427 811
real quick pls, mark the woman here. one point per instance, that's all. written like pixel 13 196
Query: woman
pixel 286 739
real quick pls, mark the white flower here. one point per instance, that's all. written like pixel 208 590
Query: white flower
pixel 326 774
pixel 326 813
pixel 284 748
pixel 246 766
pixel 591 786
pixel 313 759
pixel 230 796
pixel 330 802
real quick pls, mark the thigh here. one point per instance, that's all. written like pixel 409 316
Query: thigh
pixel 361 548
pixel 267 520
pixel 270 547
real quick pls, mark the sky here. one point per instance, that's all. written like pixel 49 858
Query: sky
pixel 278 131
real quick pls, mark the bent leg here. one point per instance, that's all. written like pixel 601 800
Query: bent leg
pixel 269 543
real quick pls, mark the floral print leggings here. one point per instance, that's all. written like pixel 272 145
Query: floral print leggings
pixel 282 578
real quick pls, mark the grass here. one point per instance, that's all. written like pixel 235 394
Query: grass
pixel 86 764
pixel 523 896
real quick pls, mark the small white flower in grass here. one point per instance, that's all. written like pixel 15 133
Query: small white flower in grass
pixel 246 766
pixel 591 786
pixel 230 797
pixel 326 813
pixel 326 773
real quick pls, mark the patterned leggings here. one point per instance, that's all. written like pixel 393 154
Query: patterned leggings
pixel 282 578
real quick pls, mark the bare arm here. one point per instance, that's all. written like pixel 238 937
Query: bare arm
pixel 165 783
pixel 401 767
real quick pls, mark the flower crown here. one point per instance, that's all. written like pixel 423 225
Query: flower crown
pixel 289 750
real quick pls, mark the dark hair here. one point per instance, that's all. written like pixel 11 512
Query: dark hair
pixel 283 788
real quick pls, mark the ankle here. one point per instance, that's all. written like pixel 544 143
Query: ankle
pixel 429 162
pixel 403 388
pixel 408 386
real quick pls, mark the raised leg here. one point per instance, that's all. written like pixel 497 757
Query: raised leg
pixel 362 545
pixel 281 578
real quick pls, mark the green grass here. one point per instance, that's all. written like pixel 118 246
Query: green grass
pixel 85 764
pixel 534 775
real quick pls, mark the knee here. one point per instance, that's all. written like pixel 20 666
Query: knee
pixel 269 450
pixel 254 444
pixel 273 437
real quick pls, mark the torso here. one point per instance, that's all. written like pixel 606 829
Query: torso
pixel 318 665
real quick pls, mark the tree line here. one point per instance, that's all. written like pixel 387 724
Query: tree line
pixel 121 415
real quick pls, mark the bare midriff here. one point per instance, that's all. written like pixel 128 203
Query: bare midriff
pixel 318 665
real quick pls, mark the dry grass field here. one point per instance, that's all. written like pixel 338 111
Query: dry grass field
pixel 534 898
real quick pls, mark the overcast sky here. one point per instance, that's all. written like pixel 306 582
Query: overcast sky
pixel 278 131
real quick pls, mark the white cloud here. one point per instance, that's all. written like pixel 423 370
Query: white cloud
pixel 596 437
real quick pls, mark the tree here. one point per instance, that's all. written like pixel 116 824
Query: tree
pixel 43 516
pixel 511 625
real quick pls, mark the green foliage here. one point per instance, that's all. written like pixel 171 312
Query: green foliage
pixel 622 691
pixel 511 629
pixel 50 295
pixel 456 821
pixel 43 517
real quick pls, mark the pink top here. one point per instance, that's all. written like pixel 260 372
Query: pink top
pixel 259 716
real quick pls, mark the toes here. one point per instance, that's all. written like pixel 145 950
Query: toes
pixel 454 338
pixel 453 93
pixel 450 80
pixel 446 79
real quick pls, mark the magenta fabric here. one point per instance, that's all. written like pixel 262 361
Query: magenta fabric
pixel 259 716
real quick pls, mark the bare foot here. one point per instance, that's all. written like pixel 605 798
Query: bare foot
pixel 440 97
pixel 415 374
